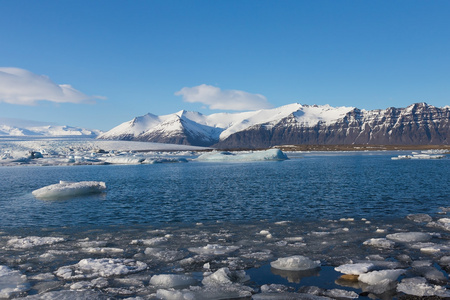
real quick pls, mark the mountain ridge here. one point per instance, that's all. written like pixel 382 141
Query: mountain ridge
pixel 419 123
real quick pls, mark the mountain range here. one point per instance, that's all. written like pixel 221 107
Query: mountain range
pixel 293 124
pixel 18 127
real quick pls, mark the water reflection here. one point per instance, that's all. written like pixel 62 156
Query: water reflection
pixel 296 276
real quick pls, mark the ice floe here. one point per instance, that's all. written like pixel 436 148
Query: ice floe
pixel 418 286
pixel 295 263
pixel 32 241
pixel 409 237
pixel 272 154
pixel 104 267
pixel 355 269
pixel 65 189
pixel 172 280
pixel 12 282
pixel 377 277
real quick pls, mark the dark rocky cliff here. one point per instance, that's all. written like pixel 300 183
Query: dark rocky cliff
pixel 418 124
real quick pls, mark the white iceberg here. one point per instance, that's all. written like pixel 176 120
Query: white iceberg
pixel 224 276
pixel 272 154
pixel 377 277
pixel 103 267
pixel 33 241
pixel 172 280
pixel 12 282
pixel 65 189
pixel 418 286
pixel 355 269
pixel 409 237
pixel 213 249
pixel 295 263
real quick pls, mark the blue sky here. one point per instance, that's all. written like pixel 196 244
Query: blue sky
pixel 125 58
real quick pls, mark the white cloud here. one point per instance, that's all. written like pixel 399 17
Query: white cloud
pixel 19 86
pixel 216 98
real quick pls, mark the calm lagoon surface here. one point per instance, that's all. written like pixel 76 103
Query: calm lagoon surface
pixel 310 187
pixel 196 218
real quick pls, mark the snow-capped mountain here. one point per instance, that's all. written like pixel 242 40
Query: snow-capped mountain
pixel 16 127
pixel 418 123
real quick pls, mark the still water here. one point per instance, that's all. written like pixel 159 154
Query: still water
pixel 311 186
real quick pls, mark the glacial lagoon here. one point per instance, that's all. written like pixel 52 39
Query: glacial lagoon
pixel 165 231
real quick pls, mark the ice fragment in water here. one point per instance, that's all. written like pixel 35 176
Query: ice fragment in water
pixel 104 267
pixel 172 280
pixel 409 237
pixel 379 243
pixel 295 263
pixel 272 154
pixel 12 282
pixel 213 249
pixel 224 276
pixel 418 286
pixel 376 277
pixel 65 189
pixel 32 241
pixel 355 269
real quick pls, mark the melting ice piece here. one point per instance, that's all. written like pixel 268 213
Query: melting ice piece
pixel 355 269
pixel 376 277
pixel 224 276
pixel 295 263
pixel 214 249
pixel 272 154
pixel 12 282
pixel 65 189
pixel 33 241
pixel 103 267
pixel 172 280
pixel 408 237
pixel 380 243
pixel 418 286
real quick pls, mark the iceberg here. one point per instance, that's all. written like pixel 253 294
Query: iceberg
pixel 268 155
pixel 65 189
pixel 295 263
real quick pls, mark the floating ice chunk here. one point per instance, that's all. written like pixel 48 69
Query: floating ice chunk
pixel 172 280
pixel 12 282
pixel 272 154
pixel 419 218
pixel 150 242
pixel 213 249
pixel 206 293
pixel 69 189
pixel 224 276
pixel 295 263
pixel 164 160
pixel 165 255
pixel 287 296
pixel 123 159
pixel 380 243
pixel 104 267
pixel 341 294
pixel 418 286
pixel 376 277
pixel 355 269
pixel 445 261
pixel 33 241
pixel 444 223
pixel 98 250
pixel 69 295
pixel 409 237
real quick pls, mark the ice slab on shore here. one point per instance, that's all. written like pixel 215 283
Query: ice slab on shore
pixel 272 154
pixel 65 189
pixel 295 263
pixel 12 282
